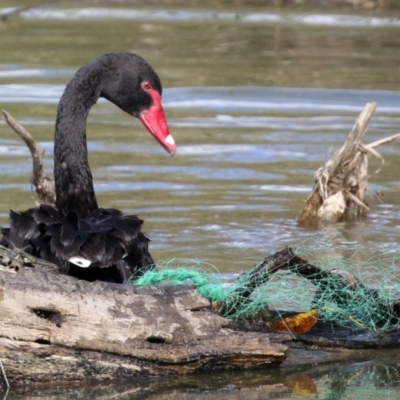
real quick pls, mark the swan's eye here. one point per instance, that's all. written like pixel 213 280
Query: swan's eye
pixel 146 86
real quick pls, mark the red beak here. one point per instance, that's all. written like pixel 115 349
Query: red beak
pixel 154 120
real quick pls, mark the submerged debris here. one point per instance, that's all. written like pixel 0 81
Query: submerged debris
pixel 341 184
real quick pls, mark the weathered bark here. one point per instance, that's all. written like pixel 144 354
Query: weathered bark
pixel 57 327
pixel 16 259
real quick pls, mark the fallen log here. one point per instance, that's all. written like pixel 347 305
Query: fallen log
pixel 55 327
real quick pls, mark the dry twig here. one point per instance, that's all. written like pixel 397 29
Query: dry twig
pixel 44 184
pixel 342 182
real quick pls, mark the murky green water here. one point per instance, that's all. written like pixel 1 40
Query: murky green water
pixel 256 100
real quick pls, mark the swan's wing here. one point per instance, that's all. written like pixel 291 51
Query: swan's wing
pixel 107 239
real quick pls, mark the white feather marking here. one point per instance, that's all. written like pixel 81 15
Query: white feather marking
pixel 80 262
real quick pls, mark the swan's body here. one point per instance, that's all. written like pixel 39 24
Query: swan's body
pixel 82 239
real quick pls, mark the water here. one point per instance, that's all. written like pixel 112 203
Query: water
pixel 360 380
pixel 256 100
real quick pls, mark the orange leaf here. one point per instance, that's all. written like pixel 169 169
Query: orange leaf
pixel 299 323
pixel 301 385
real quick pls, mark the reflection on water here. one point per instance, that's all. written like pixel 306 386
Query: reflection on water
pixel 363 380
pixel 270 17
pixel 256 101
pixel 234 100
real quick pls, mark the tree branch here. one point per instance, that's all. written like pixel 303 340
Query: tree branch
pixel 44 184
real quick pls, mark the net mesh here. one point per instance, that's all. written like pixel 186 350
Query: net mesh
pixel 367 303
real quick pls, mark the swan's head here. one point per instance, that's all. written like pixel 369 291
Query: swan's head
pixel 132 84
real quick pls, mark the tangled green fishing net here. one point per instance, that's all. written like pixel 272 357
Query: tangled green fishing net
pixel 371 307
pixel 209 283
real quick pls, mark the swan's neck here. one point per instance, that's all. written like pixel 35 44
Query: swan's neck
pixel 73 179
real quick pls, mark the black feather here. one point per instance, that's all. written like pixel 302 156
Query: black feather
pixel 110 240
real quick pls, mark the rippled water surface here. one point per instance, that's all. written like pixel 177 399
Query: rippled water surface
pixel 256 100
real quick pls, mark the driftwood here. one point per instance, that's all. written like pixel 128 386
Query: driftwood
pixel 55 327
pixel 340 185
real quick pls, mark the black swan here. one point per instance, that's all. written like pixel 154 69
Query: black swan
pixel 84 240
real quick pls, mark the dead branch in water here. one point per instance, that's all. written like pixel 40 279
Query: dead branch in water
pixel 341 183
pixel 44 184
